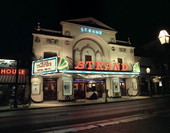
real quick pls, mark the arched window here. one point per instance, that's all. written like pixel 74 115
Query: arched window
pixel 99 56
pixel 77 56
pixel 87 52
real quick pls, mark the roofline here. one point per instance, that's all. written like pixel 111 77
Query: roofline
pixel 121 45
pixel 59 37
pixel 90 18
pixel 62 22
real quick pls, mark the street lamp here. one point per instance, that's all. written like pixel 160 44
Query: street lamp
pixel 148 70
pixel 164 40
pixel 164 37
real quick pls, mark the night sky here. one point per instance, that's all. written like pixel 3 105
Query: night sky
pixel 140 21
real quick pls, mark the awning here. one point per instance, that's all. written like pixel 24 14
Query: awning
pixel 12 79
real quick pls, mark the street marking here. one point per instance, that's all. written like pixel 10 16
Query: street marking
pixel 101 123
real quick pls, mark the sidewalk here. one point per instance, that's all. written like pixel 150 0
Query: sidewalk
pixel 75 103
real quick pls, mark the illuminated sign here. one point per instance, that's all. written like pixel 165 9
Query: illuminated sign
pixel 89 30
pixel 9 71
pixel 8 63
pixel 67 88
pixel 100 66
pixel 35 88
pixel 136 67
pixel 44 66
pixel 62 63
pixel 98 72
pixel 116 86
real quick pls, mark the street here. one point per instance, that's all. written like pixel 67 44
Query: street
pixel 61 118
pixel 159 123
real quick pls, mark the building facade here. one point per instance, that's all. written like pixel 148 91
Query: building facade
pixel 155 80
pixel 84 60
pixel 11 82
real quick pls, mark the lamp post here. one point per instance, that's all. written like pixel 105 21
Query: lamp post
pixel 164 40
pixel 16 87
pixel 148 70
pixel 163 37
pixel 105 93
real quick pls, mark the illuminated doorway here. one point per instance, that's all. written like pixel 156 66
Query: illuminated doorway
pixel 50 89
pixel 122 87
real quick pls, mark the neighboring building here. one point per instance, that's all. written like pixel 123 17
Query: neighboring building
pixel 153 76
pixel 8 80
pixel 82 61
pixel 158 61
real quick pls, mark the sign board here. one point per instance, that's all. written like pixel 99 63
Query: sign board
pixel 116 86
pixel 5 63
pixel 10 71
pixel 136 67
pixel 44 66
pixel 99 65
pixel 35 89
pixel 67 88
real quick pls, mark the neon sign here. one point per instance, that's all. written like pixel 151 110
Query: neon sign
pixel 6 71
pixel 100 66
pixel 44 66
pixel 62 63
pixel 136 67
pixel 49 65
pixel 99 72
pixel 89 30
pixel 8 63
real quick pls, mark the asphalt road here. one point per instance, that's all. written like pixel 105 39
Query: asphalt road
pixel 66 117
pixel 159 123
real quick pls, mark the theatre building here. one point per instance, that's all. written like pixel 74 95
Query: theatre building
pixel 82 61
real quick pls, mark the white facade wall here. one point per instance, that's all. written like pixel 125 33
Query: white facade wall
pixel 127 56
pixel 82 44
pixel 37 97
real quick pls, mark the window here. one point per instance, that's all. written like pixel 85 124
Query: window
pixel 120 61
pixel 98 57
pixel 77 56
pixel 88 58
pixel 49 54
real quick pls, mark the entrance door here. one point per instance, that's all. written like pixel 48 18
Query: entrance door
pixel 81 91
pixel 122 87
pixel 50 89
pixel 100 88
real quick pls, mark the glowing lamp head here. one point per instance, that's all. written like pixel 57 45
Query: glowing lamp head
pixel 163 37
pixel 148 70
